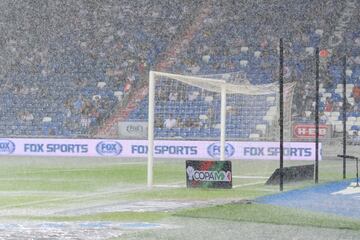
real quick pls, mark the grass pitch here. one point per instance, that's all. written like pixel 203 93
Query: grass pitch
pixel 261 213
pixel 45 188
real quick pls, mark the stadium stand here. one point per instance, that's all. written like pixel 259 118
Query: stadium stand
pixel 66 66
pixel 250 46
pixel 68 75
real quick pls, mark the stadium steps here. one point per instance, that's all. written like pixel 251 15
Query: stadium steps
pixel 122 113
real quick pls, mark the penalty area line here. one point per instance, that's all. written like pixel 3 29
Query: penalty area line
pixel 172 185
pixel 182 185
pixel 250 177
pixel 248 184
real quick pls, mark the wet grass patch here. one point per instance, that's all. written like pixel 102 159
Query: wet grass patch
pixel 262 213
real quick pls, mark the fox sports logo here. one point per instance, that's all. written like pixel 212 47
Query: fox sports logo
pixel 214 150
pixel 109 148
pixel 6 146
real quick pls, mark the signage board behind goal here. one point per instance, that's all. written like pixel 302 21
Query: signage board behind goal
pixel 208 174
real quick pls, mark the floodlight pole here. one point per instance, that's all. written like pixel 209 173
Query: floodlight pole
pixel 281 118
pixel 151 130
pixel 223 122
pixel 357 172
pixel 317 100
pixel 344 116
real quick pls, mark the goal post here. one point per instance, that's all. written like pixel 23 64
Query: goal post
pixel 201 82
pixel 150 164
pixel 223 122
pixel 224 92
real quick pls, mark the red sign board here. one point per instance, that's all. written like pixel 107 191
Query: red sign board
pixel 309 131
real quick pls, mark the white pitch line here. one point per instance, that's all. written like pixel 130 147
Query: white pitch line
pixel 84 169
pixel 250 177
pixel 73 198
pixel 169 186
pixel 247 184
pixel 266 190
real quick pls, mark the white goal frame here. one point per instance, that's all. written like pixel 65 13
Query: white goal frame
pixel 212 85
pixel 219 83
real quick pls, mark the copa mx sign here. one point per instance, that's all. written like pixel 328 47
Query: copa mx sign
pixel 208 174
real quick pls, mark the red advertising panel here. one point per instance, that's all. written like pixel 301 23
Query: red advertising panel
pixel 308 131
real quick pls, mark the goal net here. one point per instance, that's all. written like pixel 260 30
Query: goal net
pixel 217 107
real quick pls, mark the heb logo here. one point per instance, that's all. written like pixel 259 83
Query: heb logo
pixel 309 131
pixel 6 146
pixel 214 150
pixel 109 148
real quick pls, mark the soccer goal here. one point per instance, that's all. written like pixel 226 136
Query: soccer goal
pixel 215 107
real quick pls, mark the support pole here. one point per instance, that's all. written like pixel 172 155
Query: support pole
pixel 357 172
pixel 317 100
pixel 151 130
pixel 344 116
pixel 223 123
pixel 281 119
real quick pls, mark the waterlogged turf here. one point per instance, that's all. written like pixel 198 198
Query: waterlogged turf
pixel 262 213
pixel 108 216
pixel 107 189
pixel 96 230
pixel 52 182
pixel 206 229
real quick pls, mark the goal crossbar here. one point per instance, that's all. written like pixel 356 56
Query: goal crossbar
pixel 215 85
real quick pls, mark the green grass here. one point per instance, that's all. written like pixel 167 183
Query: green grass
pixel 65 179
pixel 37 176
pixel 198 194
pixel 56 183
pixel 261 213
pixel 257 213
pixel 77 176
pixel 17 201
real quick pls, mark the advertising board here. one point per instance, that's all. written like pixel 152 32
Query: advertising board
pixel 307 131
pixel 208 174
pixel 132 130
pixel 163 149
